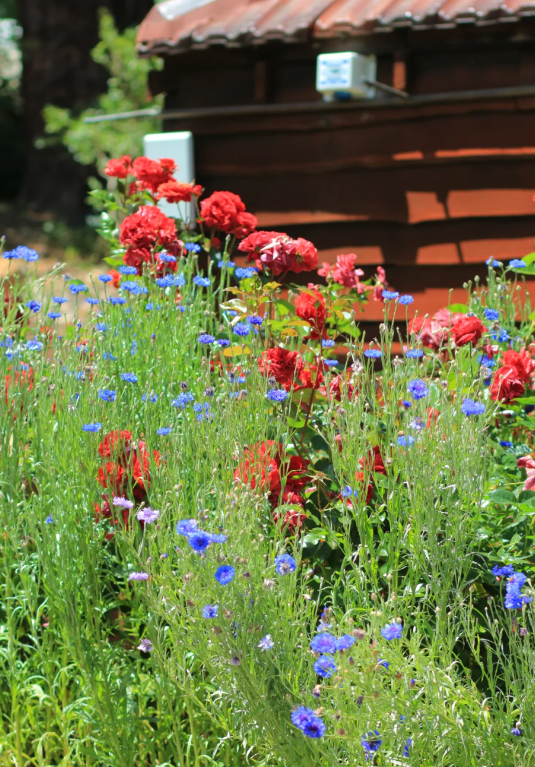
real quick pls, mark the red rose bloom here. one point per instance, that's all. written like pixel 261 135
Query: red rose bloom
pixel 115 277
pixel 305 256
pixel 311 309
pixel 119 168
pixel 246 223
pixel 143 231
pixel 260 467
pixel 467 330
pixel 283 365
pixel 293 519
pixel 256 242
pixel 507 385
pixel 360 478
pixel 345 273
pixel 222 210
pixel 522 363
pixel 151 174
pixel 175 191
pixel 374 461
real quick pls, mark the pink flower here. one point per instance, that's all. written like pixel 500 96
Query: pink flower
pixel 527 463
pixel 344 272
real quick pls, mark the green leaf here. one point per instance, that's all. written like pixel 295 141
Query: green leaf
pixel 296 424
pixel 503 497
pixel 458 308
pixel 114 260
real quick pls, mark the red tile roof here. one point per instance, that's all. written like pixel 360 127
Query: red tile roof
pixel 183 24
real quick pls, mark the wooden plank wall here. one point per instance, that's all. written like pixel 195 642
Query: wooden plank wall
pixel 429 191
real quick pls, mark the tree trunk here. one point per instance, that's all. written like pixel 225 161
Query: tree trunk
pixel 58 69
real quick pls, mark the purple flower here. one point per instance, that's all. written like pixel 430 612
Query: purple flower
pixel 210 611
pixel 371 743
pixel 123 503
pixel 148 515
pixel 224 574
pixel 306 720
pixel 138 577
pixel 145 645
pixel 266 643
pixel 277 395
pixel 345 642
pixel 418 388
pixel 206 338
pixel 469 407
pixel 392 631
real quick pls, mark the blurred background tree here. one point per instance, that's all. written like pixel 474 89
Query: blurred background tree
pixel 47 162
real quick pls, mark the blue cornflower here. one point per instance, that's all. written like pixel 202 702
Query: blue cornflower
pixel 390 295
pixel 371 743
pixel 345 642
pixel 406 403
pixel 325 666
pixel 277 395
pixel 107 395
pixel 306 720
pixel 101 326
pixel 224 574
pixel 33 306
pixel 407 748
pixel 323 643
pixel 255 320
pixel 202 282
pixel 346 492
pixel 392 631
pixel 241 329
pixel 517 263
pixel 77 288
pixel 405 441
pixel 92 427
pixel 223 342
pixel 226 264
pixel 492 262
pixel 284 564
pixel 21 251
pixel 165 282
pixel 503 571
pixel 266 643
pixel 193 247
pixel 330 363
pixel 117 300
pixel 91 300
pixel 54 315
pixel 105 277
pixel 34 346
pixel 7 342
pixel 514 600
pixel 414 354
pixel 506 443
pixel 186 527
pixel 206 338
pixel 59 300
pixel 138 576
pixel 180 281
pixel 244 273
pixel 129 377
pixel 210 611
pixel 406 299
pixel 418 388
pixel 199 540
pixel 373 354
pixel 327 343
pixel 163 431
pixel 469 407
pixel 485 361
pixel 491 314
pixel 167 258
pixel 127 270
pixel 182 400
pixel 131 286
pixel 49 520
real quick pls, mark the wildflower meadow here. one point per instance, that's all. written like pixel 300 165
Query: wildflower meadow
pixel 235 530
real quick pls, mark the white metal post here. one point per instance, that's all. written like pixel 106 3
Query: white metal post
pixel 178 147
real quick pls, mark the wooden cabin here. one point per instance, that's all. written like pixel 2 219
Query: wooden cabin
pixel 429 186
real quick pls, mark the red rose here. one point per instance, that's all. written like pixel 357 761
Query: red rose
pixel 137 257
pixel 522 363
pixel 115 443
pixel 374 461
pixel 305 256
pixel 337 385
pixel 345 273
pixel 175 191
pixel 283 365
pixel 222 211
pixel 119 168
pixel 246 223
pixel 260 467
pixel 255 242
pixel 360 478
pixel 507 385
pixel 151 174
pixel 115 277
pixel 147 228
pixel 293 519
pixel 294 470
pixel 467 330
pixel 311 309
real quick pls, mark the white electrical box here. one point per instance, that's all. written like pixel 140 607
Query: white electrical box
pixel 178 147
pixel 342 76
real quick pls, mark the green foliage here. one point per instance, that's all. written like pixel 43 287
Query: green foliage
pixel 93 144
